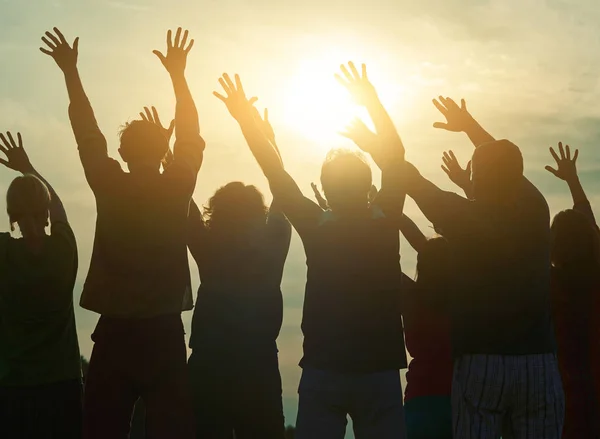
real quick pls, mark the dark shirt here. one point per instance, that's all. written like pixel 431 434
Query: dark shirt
pixel 239 310
pixel 576 304
pixel 352 317
pixel 139 266
pixel 501 299
pixel 38 337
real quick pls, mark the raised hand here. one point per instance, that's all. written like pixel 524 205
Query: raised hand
pixel 60 50
pixel 362 136
pixel 566 166
pixel 239 106
pixel 459 176
pixel 320 199
pixel 152 117
pixel 16 157
pixel 359 86
pixel 457 118
pixel 264 124
pixel 177 52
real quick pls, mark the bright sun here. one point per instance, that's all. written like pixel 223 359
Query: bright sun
pixel 316 105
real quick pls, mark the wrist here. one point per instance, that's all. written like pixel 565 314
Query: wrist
pixel 573 181
pixel 70 71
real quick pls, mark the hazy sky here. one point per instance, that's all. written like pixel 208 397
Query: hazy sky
pixel 528 69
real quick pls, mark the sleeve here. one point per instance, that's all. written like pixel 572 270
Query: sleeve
pixel 100 170
pixel 188 155
pixel 302 212
pixel 279 232
pixel 586 209
pixel 64 250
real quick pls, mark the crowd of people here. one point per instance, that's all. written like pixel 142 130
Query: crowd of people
pixel 499 321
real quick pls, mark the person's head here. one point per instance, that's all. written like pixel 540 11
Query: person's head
pixel 143 144
pixel 27 204
pixel 235 207
pixel 433 266
pixel 575 242
pixel 497 171
pixel 346 179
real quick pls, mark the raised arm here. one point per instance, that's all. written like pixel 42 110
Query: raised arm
pixel 189 146
pixel 458 119
pixel 90 140
pixel 459 176
pixel 449 213
pixel 299 210
pixel 566 170
pixel 17 160
pixel 364 93
pixel 412 233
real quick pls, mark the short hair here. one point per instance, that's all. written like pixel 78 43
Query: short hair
pixel 234 203
pixel 143 140
pixel 497 168
pixel 27 196
pixel 346 169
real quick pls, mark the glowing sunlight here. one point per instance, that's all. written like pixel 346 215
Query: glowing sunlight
pixel 316 105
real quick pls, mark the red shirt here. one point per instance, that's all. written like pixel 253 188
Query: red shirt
pixel 427 335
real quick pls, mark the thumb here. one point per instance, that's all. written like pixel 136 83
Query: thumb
pixel 160 56
pixel 468 169
pixel 172 126
pixel 463 105
pixel 552 171
pixel 76 45
pixel 440 125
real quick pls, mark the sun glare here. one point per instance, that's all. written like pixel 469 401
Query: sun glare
pixel 316 105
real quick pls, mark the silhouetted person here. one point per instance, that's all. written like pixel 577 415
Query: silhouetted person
pixel 353 340
pixel 240 246
pixel 576 302
pixel 139 277
pixel 40 366
pixel 506 379
pixel 427 397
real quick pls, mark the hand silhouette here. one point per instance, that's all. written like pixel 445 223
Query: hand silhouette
pixel 64 55
pixel 264 124
pixel 238 105
pixel 16 156
pixel 177 52
pixel 566 166
pixel 361 90
pixel 152 117
pixel 457 118
pixel 459 176
pixel 320 199
pixel 362 136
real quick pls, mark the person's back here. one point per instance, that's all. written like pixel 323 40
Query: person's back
pixel 139 263
pixel 503 254
pixel 40 364
pixel 351 320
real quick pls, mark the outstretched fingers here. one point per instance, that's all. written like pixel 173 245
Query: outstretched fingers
pixel 552 171
pixel 554 155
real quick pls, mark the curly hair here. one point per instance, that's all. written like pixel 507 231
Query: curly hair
pixel 233 204
pixel 142 140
